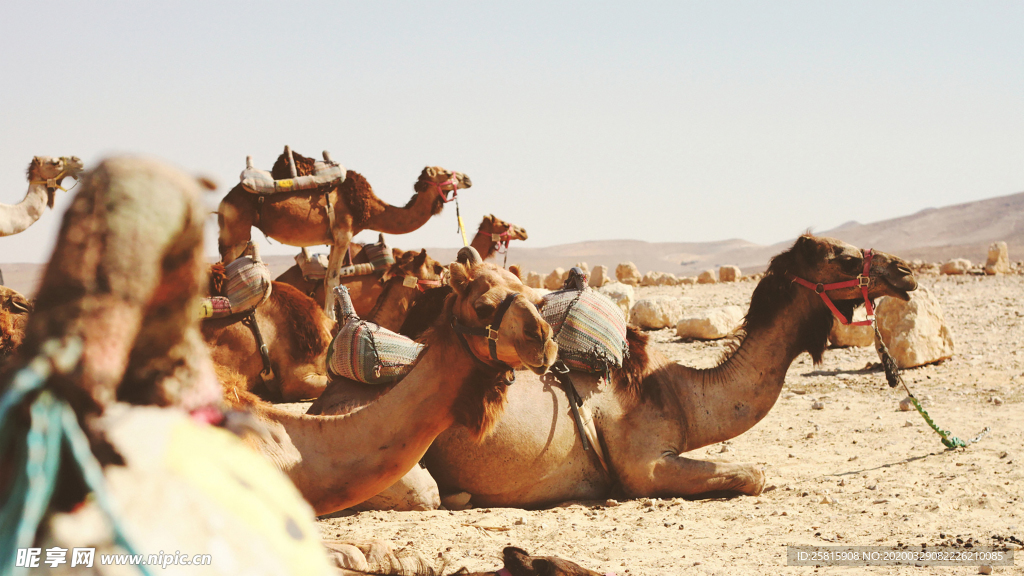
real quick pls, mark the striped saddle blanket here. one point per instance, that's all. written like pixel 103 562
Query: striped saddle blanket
pixel 365 352
pixel 589 328
pixel 247 285
pixel 314 267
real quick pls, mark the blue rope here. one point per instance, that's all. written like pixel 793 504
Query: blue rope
pixel 37 453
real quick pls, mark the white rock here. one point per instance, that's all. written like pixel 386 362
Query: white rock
pixel 534 280
pixel 706 277
pixel 915 332
pixel 668 279
pixel 729 273
pixel 906 405
pixel 847 335
pixel 984 569
pixel 457 501
pixel 627 273
pixel 622 294
pixel 651 279
pixel 711 324
pixel 998 259
pixel 599 277
pixel 997 400
pixel 956 266
pixel 817 406
pixel 687 281
pixel 656 313
pixel 554 280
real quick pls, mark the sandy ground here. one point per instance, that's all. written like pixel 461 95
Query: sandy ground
pixel 888 477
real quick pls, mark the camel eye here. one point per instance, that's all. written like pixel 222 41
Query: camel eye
pixel 484 310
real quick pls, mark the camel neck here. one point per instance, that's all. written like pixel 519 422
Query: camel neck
pixel 18 217
pixel 395 220
pixel 484 244
pixel 725 401
pixel 339 461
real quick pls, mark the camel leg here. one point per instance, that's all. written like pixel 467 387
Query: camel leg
pixel 333 276
pixel 674 475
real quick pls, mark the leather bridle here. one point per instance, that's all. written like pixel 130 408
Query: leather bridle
pixel 491 333
pixel 861 281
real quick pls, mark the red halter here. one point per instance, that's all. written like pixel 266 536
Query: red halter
pixel 454 181
pixel 501 240
pixel 862 281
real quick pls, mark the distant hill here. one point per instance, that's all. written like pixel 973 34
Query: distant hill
pixel 933 235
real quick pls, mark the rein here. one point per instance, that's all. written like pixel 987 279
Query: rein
pixel 454 181
pixel 861 281
pixel 421 284
pixel 491 333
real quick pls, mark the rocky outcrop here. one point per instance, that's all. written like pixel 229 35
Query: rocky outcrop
pixel 844 336
pixel 651 279
pixel 668 279
pixel 627 273
pixel 599 277
pixel 534 280
pixel 706 277
pixel 622 294
pixel 915 332
pixel 729 273
pixel 998 259
pixel 711 324
pixel 656 313
pixel 554 280
pixel 956 266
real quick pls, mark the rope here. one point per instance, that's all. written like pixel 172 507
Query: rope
pixel 895 378
pixel 38 451
pixel 458 216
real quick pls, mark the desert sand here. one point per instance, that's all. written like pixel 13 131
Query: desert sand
pixel 857 472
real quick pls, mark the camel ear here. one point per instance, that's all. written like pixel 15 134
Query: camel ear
pixel 514 268
pixel 429 172
pixel 420 258
pixel 809 249
pixel 458 278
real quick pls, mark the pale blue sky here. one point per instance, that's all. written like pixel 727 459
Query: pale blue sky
pixel 672 121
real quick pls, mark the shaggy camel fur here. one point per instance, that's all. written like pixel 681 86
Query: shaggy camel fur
pixel 655 410
pixel 45 176
pixel 125 281
pixel 338 461
pixel 301 219
pixel 494 233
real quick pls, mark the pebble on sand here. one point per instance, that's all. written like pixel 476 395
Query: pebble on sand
pixel 906 405
pixel 817 406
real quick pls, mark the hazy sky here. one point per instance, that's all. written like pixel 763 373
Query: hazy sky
pixel 672 121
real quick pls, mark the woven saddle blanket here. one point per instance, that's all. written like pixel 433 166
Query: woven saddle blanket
pixel 262 182
pixel 588 327
pixel 365 352
pixel 314 267
pixel 247 286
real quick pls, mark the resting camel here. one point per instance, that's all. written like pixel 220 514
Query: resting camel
pixel 45 176
pixel 14 310
pixel 654 410
pixel 494 233
pixel 301 218
pixel 338 461
pixel 297 332
pixel 114 341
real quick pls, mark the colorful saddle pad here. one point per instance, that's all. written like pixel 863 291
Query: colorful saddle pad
pixel 247 286
pixel 365 352
pixel 589 328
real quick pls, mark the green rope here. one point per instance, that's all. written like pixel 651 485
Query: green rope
pixel 895 378
pixel 37 453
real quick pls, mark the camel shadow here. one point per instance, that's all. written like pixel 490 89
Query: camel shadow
pixel 907 460
pixel 874 368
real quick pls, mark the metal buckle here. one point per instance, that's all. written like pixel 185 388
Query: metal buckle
pixel 492 334
pixel 410 281
pixel 819 288
pixel 871 317
pixel 863 281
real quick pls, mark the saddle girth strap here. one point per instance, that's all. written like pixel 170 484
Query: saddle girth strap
pixel 561 372
pixel 267 373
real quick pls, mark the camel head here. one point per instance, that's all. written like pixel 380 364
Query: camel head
pixel 52 172
pixel 415 271
pixel 524 338
pixel 440 181
pixel 14 310
pixel 494 225
pixel 819 262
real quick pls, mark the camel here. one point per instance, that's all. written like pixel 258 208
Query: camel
pixel 113 348
pixel 494 233
pixel 45 176
pixel 301 218
pixel 297 332
pixel 339 461
pixel 14 310
pixel 654 410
